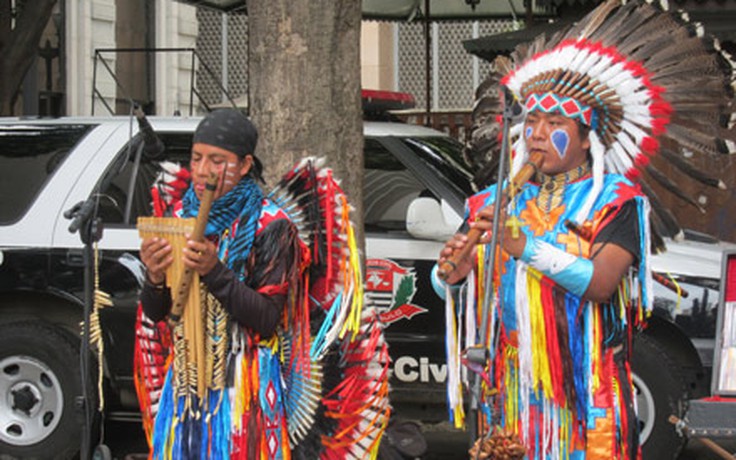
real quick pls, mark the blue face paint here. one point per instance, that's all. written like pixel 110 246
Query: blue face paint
pixel 560 141
pixel 528 132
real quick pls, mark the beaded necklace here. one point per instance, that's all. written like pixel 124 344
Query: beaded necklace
pixel 552 188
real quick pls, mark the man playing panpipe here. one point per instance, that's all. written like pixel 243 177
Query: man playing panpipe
pixel 571 280
pixel 247 264
pixel 273 355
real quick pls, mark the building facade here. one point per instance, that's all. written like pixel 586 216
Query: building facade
pixel 97 56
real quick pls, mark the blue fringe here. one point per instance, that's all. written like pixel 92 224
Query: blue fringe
pixel 194 425
pixel 644 241
pixel 216 432
pixel 194 438
pixel 164 417
pixel 204 441
pixel 578 347
pixel 318 344
pixel 184 438
pixel 178 432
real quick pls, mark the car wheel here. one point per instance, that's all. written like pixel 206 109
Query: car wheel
pixel 39 382
pixel 659 391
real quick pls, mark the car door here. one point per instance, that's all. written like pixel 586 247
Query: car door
pixel 401 172
pixel 124 176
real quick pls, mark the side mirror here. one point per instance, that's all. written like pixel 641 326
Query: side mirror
pixel 427 219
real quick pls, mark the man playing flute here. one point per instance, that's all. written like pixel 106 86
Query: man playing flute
pixel 571 282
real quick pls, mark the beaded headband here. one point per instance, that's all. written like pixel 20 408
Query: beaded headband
pixel 567 106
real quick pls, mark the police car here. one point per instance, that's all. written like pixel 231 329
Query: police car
pixel 415 185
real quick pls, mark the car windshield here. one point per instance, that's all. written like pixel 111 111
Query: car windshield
pixel 399 169
pixel 29 155
pixel 128 199
pixel 445 155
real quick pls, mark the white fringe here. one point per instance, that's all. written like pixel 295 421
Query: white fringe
pixel 471 326
pixel 526 372
pixel 454 390
pixel 597 152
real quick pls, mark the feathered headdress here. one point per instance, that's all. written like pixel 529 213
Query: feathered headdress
pixel 645 80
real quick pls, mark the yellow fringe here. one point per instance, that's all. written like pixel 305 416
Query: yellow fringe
pixel 352 277
pixel 511 382
pixel 540 363
pixel 595 353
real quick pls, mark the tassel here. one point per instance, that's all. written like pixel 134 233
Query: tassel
pixel 597 151
pixel 452 348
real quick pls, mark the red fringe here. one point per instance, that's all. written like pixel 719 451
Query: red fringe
pixel 633 174
pixel 553 350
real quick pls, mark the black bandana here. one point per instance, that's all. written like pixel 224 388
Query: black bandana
pixel 229 129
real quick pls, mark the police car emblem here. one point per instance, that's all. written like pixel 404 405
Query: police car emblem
pixel 391 288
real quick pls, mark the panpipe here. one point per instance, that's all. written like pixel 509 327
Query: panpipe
pixel 186 305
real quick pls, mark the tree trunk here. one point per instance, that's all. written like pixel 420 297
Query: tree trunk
pixel 304 88
pixel 5 21
pixel 20 47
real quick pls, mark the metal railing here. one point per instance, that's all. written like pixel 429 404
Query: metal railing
pixel 99 52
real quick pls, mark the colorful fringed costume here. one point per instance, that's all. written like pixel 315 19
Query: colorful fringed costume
pixel 560 363
pixel 639 81
pixel 318 388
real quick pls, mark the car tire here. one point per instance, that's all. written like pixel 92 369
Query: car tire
pixel 40 381
pixel 660 392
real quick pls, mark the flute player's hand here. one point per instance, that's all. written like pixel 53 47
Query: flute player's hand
pixel 462 266
pixel 484 222
pixel 156 256
pixel 454 247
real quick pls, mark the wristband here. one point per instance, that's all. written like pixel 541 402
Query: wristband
pixel 439 284
pixel 569 271
pixel 157 286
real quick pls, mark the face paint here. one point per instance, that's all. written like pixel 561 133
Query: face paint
pixel 560 141
pixel 230 177
pixel 528 132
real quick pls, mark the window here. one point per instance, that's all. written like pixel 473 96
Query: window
pixel 122 200
pixel 696 313
pixel 444 154
pixel 388 189
pixel 29 155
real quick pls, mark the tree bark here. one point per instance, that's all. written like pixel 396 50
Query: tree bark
pixel 304 88
pixel 20 47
